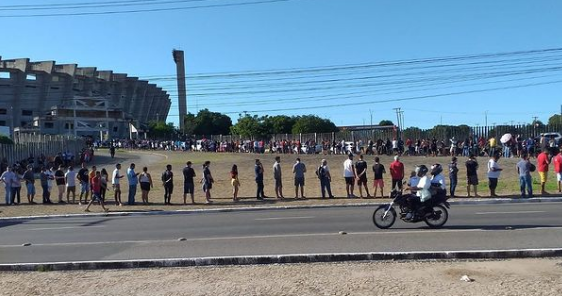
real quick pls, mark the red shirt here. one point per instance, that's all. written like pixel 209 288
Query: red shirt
pixel 96 184
pixel 542 162
pixel 558 163
pixel 397 170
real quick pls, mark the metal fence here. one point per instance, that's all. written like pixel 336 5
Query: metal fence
pixel 441 133
pixel 26 145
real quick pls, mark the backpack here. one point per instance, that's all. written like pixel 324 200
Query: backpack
pixel 320 172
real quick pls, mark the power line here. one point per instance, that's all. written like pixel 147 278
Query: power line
pixel 92 5
pixel 141 10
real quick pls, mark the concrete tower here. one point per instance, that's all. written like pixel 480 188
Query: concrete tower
pixel 182 97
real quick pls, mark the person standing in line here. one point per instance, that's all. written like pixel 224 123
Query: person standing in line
pixel 16 188
pixel 258 172
pixel 70 179
pixel 472 174
pixel 7 177
pixel 132 177
pixel 494 171
pixel 207 181
pixel 84 179
pixel 453 173
pixel 96 193
pixel 61 184
pixel 51 180
pixel 397 173
pixel 235 182
pixel 188 184
pixel 115 181
pixel 104 181
pixel 277 176
pixel 557 160
pixel 44 177
pixel 524 172
pixel 145 181
pixel 542 167
pixel 378 182
pixel 168 183
pixel 361 173
pixel 323 173
pixel 299 169
pixel 349 175
pixel 29 178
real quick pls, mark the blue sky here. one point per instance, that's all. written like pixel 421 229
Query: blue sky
pixel 312 33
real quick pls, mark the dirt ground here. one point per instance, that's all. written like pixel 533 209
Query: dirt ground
pixel 221 164
pixel 513 277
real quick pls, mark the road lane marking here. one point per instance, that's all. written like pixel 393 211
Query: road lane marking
pixel 410 232
pixel 65 227
pixel 284 218
pixel 507 213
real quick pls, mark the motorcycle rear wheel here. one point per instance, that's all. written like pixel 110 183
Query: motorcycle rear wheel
pixel 438 218
pixel 380 220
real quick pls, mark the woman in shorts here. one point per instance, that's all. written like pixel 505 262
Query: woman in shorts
pixel 207 181
pixel 235 182
pixel 145 181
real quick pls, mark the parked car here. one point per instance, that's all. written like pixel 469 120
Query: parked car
pixel 557 137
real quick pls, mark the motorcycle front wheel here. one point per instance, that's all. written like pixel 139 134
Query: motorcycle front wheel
pixel 383 221
pixel 438 217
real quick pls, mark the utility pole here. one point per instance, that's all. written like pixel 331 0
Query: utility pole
pixel 486 118
pixel 398 121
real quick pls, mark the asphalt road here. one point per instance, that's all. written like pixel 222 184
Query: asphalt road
pixel 302 231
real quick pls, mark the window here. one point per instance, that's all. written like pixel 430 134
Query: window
pixel 27 112
pixel 115 129
pixel 69 126
pixel 55 87
pixel 3 111
pixel 4 75
pixel 23 123
pixel 31 77
pixel 49 125
pixel 2 122
pixel 55 78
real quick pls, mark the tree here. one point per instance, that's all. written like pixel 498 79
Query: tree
pixel 5 140
pixel 161 130
pixel 207 123
pixel 555 119
pixel 249 126
pixel 313 124
pixel 386 122
pixel 280 124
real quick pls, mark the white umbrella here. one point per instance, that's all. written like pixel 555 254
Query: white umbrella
pixel 506 138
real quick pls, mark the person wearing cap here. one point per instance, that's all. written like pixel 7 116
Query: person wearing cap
pixel 397 173
pixel 188 184
pixel 349 175
pixel 115 181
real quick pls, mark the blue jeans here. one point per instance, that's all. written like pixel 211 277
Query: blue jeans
pixel 526 182
pixel 453 185
pixel 325 186
pixel 132 193
pixel 506 151
pixel 8 195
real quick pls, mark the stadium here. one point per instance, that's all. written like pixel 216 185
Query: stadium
pixel 48 98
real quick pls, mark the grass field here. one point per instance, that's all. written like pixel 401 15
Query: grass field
pixel 221 164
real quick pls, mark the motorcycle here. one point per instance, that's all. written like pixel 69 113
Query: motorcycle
pixel 433 211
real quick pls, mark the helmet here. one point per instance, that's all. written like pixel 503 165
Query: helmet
pixel 436 169
pixel 421 170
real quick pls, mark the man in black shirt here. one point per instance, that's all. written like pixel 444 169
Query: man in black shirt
pixel 472 174
pixel 61 183
pixel 188 185
pixel 168 182
pixel 361 173
pixel 84 179
pixel 378 170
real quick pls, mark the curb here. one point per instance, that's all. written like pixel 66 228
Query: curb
pixel 276 208
pixel 281 259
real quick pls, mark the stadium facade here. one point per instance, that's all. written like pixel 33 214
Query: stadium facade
pixel 47 98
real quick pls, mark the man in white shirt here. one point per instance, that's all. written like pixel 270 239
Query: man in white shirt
pixel 349 175
pixel 422 190
pixel 70 177
pixel 494 171
pixel 115 179
pixel 8 178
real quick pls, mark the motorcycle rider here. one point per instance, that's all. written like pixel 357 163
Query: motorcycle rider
pixel 422 190
pixel 437 178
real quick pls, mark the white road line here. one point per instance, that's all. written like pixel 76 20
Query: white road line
pixel 411 232
pixel 284 218
pixel 507 213
pixel 65 227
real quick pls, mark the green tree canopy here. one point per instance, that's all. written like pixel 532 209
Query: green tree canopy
pixel 207 123
pixel 249 126
pixel 313 124
pixel 386 122
pixel 280 124
pixel 5 140
pixel 555 119
pixel 161 130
